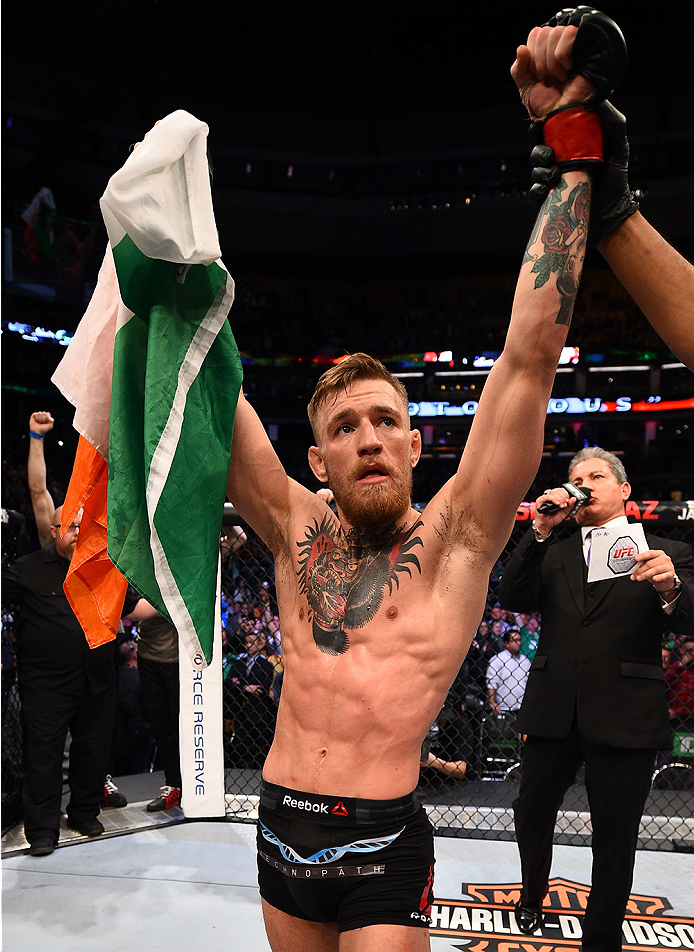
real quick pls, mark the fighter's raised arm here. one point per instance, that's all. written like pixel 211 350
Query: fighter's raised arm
pixel 503 450
pixel 258 485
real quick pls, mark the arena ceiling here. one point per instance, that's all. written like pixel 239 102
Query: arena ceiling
pixel 368 103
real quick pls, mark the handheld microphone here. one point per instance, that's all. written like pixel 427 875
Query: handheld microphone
pixel 579 494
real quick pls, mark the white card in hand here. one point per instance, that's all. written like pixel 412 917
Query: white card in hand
pixel 612 551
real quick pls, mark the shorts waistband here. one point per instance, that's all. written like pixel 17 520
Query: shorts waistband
pixel 356 809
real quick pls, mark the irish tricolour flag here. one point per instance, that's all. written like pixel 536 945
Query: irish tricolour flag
pixel 154 374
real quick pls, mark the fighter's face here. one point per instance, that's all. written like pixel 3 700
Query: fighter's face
pixel 366 453
pixel 607 494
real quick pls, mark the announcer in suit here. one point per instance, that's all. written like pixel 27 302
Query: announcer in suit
pixel 596 690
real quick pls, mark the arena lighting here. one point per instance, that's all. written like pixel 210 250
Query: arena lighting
pixel 462 373
pixel 36 334
pixel 646 406
pixel 616 370
pixel 561 406
pixel 569 355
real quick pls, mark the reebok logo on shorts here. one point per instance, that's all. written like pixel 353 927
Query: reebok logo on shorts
pixel 315 806
pixel 305 805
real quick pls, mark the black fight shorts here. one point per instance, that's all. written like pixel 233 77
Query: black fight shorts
pixel 340 859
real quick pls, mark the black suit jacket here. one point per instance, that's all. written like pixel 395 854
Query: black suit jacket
pixel 599 654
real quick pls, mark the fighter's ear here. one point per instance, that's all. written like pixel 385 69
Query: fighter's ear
pixel 315 461
pixel 415 446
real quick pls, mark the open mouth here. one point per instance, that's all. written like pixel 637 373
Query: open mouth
pixel 373 475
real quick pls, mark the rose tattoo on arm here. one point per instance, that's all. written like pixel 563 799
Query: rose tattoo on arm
pixel 563 230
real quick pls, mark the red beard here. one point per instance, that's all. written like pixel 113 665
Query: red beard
pixel 370 506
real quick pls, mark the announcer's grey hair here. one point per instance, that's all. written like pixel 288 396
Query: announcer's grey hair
pixel 596 452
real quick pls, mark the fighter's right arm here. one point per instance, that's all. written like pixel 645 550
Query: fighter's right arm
pixel 258 485
pixel 42 503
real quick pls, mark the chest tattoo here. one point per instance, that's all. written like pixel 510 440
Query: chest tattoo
pixel 344 578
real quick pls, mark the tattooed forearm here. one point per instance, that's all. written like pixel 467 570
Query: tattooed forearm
pixel 558 243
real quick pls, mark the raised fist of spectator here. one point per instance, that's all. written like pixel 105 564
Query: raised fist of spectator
pixel 41 421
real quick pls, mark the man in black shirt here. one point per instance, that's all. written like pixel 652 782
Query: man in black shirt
pixel 64 686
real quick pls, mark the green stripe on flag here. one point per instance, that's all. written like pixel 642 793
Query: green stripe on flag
pixel 176 380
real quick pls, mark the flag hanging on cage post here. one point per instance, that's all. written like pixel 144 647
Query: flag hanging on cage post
pixel 173 388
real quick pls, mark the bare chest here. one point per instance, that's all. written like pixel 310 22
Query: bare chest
pixel 342 586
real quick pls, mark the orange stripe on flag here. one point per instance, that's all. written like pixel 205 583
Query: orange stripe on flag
pixel 94 587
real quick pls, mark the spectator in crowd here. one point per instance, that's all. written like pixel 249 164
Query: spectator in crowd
pixel 64 686
pixel 679 677
pixel 500 621
pixel 497 630
pixel 507 674
pixel 667 654
pixel 272 651
pixel 476 661
pixel 595 694
pixel 157 664
pixel 264 610
pixel 40 424
pixel 273 635
pixel 530 635
pixel 252 706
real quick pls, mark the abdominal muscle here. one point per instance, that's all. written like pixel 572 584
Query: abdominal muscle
pixel 353 725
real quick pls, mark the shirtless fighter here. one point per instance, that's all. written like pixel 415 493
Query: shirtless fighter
pixel 379 604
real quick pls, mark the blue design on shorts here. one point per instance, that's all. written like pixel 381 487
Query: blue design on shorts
pixel 332 852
